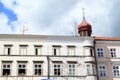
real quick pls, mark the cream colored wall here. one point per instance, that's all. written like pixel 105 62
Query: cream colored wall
pixel 81 53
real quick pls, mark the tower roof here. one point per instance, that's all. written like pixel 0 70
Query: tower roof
pixel 84 24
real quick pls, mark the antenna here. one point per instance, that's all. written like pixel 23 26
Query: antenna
pixel 23 29
pixel 75 29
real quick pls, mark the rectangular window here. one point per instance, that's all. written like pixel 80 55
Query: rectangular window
pixel 91 52
pixel 71 51
pixel 71 69
pixel 6 69
pixel 100 52
pixel 38 50
pixel 21 69
pixel 56 51
pixel 57 71
pixel 88 69
pixel 113 52
pixel 116 71
pixel 23 49
pixel 102 71
pixel 37 69
pixel 7 50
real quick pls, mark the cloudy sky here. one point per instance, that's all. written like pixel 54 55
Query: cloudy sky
pixel 58 17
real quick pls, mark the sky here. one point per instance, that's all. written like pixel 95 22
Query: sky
pixel 58 17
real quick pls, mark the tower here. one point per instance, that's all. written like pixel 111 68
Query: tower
pixel 84 28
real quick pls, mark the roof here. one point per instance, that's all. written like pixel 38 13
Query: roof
pixel 107 39
pixel 84 24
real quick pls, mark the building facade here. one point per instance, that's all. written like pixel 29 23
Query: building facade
pixel 35 57
pixel 107 55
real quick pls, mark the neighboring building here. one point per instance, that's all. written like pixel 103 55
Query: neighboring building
pixel 36 57
pixel 108 58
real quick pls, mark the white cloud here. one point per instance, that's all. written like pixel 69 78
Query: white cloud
pixel 58 16
pixel 4 28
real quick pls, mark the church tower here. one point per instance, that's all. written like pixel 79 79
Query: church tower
pixel 84 29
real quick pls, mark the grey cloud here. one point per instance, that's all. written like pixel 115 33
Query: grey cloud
pixel 114 17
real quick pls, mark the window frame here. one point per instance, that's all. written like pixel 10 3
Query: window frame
pixel 22 68
pixel 102 72
pixel 6 63
pixel 100 52
pixel 8 48
pixel 38 69
pixel 23 47
pixel 113 53
pixel 58 69
pixel 117 71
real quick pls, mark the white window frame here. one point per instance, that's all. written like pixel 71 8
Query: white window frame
pixel 100 52
pixel 116 70
pixel 22 67
pixel 102 71
pixel 6 67
pixel 58 68
pixel 38 68
pixel 56 51
pixel 7 49
pixel 38 50
pixel 71 51
pixel 72 69
pixel 113 52
pixel 23 49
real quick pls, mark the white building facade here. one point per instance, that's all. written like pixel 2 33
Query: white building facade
pixel 37 57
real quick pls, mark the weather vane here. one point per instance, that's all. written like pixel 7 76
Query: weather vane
pixel 23 29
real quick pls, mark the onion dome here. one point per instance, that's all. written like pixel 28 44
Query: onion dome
pixel 84 29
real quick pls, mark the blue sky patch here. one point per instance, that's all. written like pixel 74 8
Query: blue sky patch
pixel 9 13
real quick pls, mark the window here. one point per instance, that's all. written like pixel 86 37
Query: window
pixel 57 71
pixel 100 52
pixel 71 69
pixel 71 50
pixel 6 69
pixel 21 69
pixel 7 50
pixel 56 51
pixel 88 69
pixel 116 71
pixel 91 69
pixel 23 49
pixel 91 52
pixel 113 52
pixel 38 50
pixel 102 71
pixel 37 69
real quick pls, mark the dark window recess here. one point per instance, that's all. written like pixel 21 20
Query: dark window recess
pixel 6 72
pixel 54 51
pixel 36 51
pixel 8 51
pixel 37 71
pixel 91 52
pixel 21 71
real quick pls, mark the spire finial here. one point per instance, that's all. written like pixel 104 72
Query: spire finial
pixel 83 13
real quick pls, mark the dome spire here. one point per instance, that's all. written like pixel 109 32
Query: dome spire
pixel 83 13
